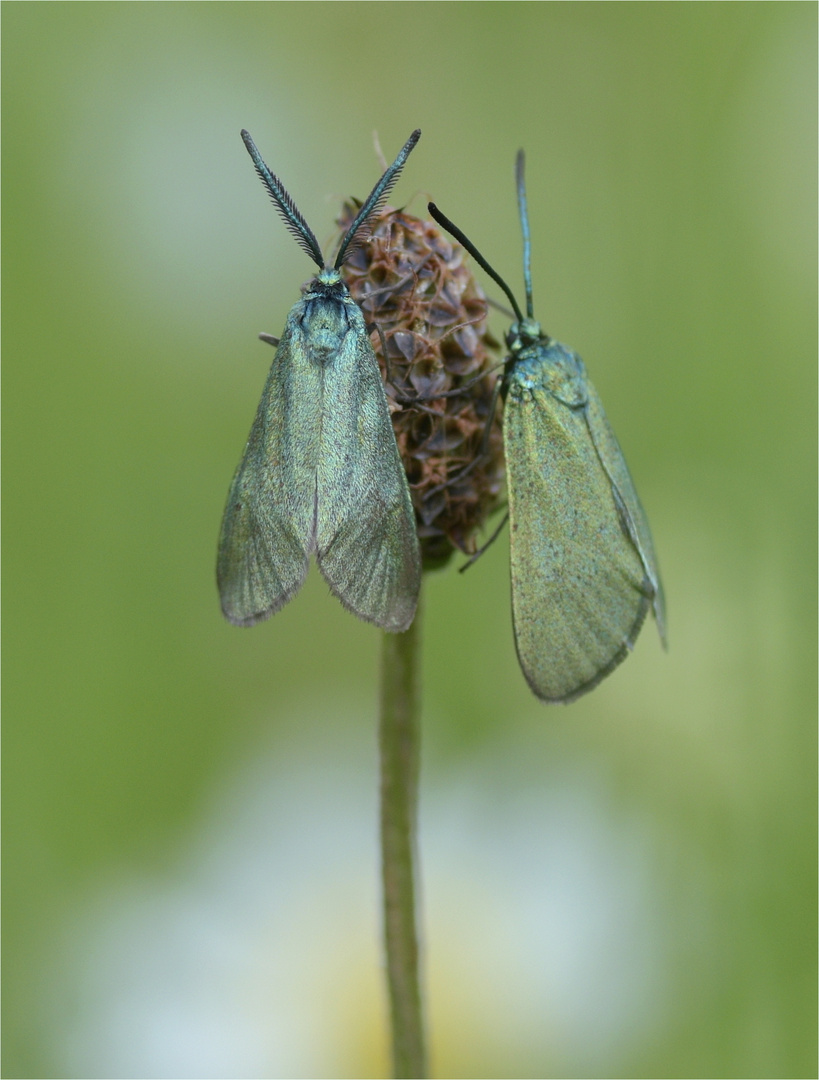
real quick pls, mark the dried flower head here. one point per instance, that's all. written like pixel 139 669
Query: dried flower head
pixel 410 281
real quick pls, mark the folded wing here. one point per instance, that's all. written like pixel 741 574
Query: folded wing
pixel 580 586
pixel 366 543
pixel 268 524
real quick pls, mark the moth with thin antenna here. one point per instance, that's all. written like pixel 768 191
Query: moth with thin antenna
pixel 321 474
pixel 583 568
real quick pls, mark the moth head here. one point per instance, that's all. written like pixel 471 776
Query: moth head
pixel 522 334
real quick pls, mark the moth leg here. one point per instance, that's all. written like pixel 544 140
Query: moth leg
pixel 460 390
pixel 483 449
pixel 473 558
pixel 374 326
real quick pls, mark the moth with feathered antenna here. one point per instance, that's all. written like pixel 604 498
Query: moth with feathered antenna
pixel 321 474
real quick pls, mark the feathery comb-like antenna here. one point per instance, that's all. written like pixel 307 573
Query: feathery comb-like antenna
pixel 290 213
pixel 524 224
pixel 465 242
pixel 377 196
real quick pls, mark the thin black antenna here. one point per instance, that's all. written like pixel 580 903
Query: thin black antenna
pixel 454 231
pixel 284 204
pixel 524 224
pixel 377 196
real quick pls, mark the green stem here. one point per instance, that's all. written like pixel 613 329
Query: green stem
pixel 399 739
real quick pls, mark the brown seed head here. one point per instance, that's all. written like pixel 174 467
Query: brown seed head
pixel 410 281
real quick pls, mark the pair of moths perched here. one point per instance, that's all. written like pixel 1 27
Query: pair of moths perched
pixel 321 475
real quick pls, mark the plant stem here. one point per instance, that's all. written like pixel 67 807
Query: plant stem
pixel 399 740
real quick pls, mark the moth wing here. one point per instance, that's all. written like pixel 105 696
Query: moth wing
pixel 366 542
pixel 267 527
pixel 580 592
pixel 631 509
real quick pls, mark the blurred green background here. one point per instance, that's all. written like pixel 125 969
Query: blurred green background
pixel 622 887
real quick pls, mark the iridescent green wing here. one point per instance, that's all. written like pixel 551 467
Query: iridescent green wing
pixel 633 516
pixel 366 543
pixel 580 591
pixel 268 524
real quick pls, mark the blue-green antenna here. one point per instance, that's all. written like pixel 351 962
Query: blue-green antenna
pixel 524 224
pixel 465 242
pixel 377 196
pixel 290 213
